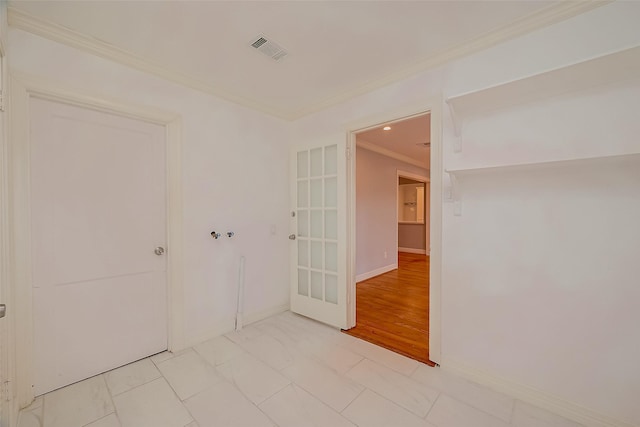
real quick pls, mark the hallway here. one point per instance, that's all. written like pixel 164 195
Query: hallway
pixel 392 310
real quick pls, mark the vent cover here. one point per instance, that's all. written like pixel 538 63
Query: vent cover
pixel 269 48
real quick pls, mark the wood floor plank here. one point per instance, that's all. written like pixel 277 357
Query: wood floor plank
pixel 392 310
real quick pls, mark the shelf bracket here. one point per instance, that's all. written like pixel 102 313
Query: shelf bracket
pixel 457 127
pixel 455 194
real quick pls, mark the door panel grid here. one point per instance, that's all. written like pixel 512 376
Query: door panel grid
pixel 317 223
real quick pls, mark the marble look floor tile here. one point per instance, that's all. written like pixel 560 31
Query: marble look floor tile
pixel 331 355
pixel 334 390
pixel 265 347
pixel 218 350
pixel 294 407
pixel 29 419
pixel 314 328
pixel 108 421
pixel 130 376
pixel 188 374
pixel 161 357
pixel 151 405
pixel 254 378
pixel 31 416
pixel 448 412
pixel 244 334
pixel 388 358
pixel 284 330
pixel 37 403
pixel 224 405
pixel 480 397
pixel 409 394
pixel 526 415
pixel 78 404
pixel 372 410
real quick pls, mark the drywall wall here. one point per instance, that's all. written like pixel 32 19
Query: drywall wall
pixel 376 211
pixel 411 236
pixel 537 277
pixel 222 144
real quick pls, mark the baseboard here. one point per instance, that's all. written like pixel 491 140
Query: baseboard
pixel 550 402
pixel 222 327
pixel 413 251
pixel 376 272
pixel 263 314
pixel 228 325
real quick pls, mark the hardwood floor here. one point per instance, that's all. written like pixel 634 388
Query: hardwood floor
pixel 392 310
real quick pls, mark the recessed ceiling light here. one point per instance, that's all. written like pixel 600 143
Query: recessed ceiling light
pixel 386 128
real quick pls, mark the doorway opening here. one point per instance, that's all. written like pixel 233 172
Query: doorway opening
pixel 392 251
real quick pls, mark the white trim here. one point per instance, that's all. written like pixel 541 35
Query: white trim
pixel 49 30
pixel 426 181
pixel 257 316
pixel 550 402
pixel 414 176
pixel 434 106
pixel 352 279
pixel 392 154
pixel 222 326
pixel 412 251
pixel 376 272
pixel 22 88
pixel 8 405
pixel 541 18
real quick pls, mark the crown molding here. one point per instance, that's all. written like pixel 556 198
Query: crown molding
pixel 388 153
pixel 49 30
pixel 544 17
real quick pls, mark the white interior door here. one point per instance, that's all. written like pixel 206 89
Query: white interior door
pixel 98 212
pixel 318 194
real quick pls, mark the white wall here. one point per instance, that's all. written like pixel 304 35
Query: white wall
pixel 235 178
pixel 539 284
pixel 377 210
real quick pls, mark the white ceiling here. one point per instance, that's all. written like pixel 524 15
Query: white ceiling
pixel 336 48
pixel 405 138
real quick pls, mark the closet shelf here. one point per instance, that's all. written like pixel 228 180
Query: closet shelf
pixel 613 160
pixel 610 68
pixel 458 175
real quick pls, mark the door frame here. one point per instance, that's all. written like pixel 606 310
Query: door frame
pixel 434 106
pixel 420 178
pixel 24 87
pixel 8 405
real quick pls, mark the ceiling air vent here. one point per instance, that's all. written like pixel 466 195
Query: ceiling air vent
pixel 269 48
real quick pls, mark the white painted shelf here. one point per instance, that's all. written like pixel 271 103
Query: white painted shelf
pixel 595 161
pixel 619 66
pixel 458 175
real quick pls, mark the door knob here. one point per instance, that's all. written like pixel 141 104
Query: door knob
pixel 292 237
pixel 159 250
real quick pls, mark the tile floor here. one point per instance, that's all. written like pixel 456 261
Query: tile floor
pixel 283 371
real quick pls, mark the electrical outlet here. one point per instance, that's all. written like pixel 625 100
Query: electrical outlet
pixel 385 254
